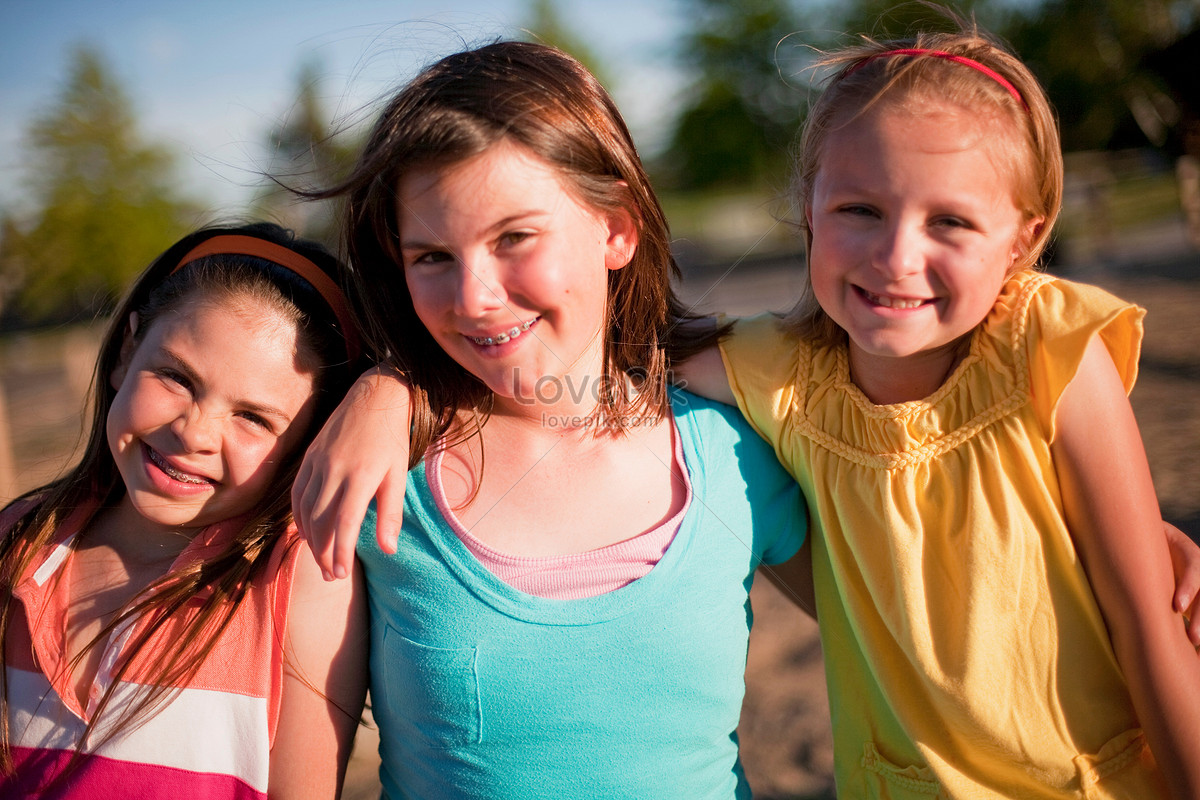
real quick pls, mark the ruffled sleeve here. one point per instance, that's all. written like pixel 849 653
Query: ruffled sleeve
pixel 1061 320
pixel 761 363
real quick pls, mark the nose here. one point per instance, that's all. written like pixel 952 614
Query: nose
pixel 898 251
pixel 479 289
pixel 197 431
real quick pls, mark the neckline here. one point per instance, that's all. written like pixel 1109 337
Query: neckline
pixel 488 587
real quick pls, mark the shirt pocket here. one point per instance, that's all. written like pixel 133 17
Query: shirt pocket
pixel 889 780
pixel 431 692
pixel 1123 769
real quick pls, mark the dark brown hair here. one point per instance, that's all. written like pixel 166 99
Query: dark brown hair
pixel 869 73
pixel 545 101
pixel 213 586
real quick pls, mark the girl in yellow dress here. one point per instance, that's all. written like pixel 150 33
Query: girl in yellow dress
pixel 992 583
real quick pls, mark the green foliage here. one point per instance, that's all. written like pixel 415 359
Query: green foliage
pixel 546 25
pixel 103 202
pixel 1090 55
pixel 887 19
pixel 746 99
pixel 307 151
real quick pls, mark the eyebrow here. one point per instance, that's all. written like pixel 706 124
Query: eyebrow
pixel 261 409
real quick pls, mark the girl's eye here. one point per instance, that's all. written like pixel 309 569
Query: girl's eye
pixel 429 258
pixel 514 237
pixel 951 222
pixel 174 376
pixel 256 420
pixel 857 210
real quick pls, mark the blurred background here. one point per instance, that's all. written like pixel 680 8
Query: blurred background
pixel 125 124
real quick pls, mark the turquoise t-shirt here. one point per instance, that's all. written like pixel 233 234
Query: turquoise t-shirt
pixel 480 690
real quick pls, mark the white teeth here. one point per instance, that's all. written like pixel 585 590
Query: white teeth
pixel 508 335
pixel 892 302
pixel 174 473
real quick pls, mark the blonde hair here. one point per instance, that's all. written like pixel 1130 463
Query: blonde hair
pixel 966 68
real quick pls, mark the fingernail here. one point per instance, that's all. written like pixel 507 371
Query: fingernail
pixel 339 571
pixel 325 574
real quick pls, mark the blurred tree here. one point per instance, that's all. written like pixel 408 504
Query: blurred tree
pixel 103 202
pixel 1089 54
pixel 546 25
pixel 744 106
pixel 889 19
pixel 306 150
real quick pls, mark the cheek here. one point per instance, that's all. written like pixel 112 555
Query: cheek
pixel 822 274
pixel 255 460
pixel 137 404
pixel 428 296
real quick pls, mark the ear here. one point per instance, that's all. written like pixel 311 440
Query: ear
pixel 1026 237
pixel 128 345
pixel 622 238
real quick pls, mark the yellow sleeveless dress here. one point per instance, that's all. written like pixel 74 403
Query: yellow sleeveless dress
pixel 965 653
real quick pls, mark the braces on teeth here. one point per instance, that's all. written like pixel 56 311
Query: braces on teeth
pixel 174 473
pixel 510 334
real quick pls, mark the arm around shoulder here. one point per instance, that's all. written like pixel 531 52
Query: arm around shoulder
pixel 361 453
pixel 1113 516
pixel 704 372
pixel 324 684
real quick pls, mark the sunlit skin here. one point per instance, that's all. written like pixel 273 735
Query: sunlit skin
pixel 498 245
pixel 914 231
pixel 208 402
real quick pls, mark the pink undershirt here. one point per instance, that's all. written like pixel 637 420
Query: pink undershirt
pixel 576 575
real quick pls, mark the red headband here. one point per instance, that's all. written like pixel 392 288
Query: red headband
pixel 237 244
pixel 967 62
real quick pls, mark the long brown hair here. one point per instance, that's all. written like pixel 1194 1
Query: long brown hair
pixel 545 101
pixel 871 72
pixel 213 586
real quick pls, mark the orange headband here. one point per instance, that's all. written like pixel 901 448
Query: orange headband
pixel 968 62
pixel 237 244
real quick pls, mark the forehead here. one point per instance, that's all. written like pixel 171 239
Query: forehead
pixel 504 172
pixel 921 139
pixel 212 321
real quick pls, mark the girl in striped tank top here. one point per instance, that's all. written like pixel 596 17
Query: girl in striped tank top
pixel 164 631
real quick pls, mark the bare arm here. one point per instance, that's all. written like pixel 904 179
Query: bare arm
pixel 704 373
pixel 360 454
pixel 1114 520
pixel 795 579
pixel 324 685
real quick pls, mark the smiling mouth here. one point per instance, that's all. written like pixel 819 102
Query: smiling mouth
pixel 506 336
pixel 899 303
pixel 173 473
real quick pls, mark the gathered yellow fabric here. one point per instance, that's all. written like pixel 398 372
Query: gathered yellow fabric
pixel 965 653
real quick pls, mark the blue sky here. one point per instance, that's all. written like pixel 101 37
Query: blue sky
pixel 209 78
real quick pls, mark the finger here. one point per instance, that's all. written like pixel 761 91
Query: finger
pixel 1187 587
pixel 389 513
pixel 319 501
pixel 299 507
pixel 1192 612
pixel 351 509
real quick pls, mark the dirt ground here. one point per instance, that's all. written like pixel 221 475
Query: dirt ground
pixel 785 722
